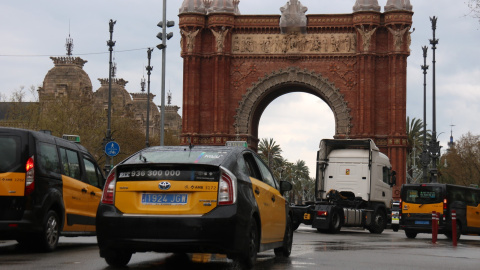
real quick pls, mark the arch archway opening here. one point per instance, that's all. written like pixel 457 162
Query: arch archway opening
pixel 297 121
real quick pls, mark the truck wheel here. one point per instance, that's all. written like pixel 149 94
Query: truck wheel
pixel 379 222
pixel 47 239
pixel 395 228
pixel 335 223
pixel 117 258
pixel 410 234
pixel 286 249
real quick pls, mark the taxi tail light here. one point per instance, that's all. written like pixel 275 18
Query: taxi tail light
pixel 227 188
pixel 30 176
pixel 322 213
pixel 108 195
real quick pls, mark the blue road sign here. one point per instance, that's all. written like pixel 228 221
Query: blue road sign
pixel 112 149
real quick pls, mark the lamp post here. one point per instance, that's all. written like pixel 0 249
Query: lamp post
pixel 149 71
pixel 108 137
pixel 163 47
pixel 434 144
pixel 425 157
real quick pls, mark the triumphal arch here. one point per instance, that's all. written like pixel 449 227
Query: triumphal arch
pixel 235 65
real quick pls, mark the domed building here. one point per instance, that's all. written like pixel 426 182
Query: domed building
pixel 66 79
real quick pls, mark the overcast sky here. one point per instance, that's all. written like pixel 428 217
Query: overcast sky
pixel 31 31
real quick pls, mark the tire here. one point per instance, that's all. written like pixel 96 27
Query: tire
pixel 395 228
pixel 459 232
pixel 379 222
pixel 410 234
pixel 295 224
pixel 247 259
pixel 335 223
pixel 117 258
pixel 47 239
pixel 286 249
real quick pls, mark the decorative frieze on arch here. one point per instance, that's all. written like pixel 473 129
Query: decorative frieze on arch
pixel 312 82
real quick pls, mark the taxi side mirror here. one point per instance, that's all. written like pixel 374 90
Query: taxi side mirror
pixel 285 186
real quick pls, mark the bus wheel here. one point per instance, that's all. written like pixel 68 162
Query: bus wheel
pixel 459 232
pixel 410 234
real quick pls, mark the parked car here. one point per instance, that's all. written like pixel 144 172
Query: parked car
pixel 193 199
pixel 49 187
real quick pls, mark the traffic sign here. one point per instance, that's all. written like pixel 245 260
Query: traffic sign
pixel 112 149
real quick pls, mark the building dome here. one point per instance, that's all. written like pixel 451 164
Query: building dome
pixel 121 99
pixel 366 5
pixel 398 5
pixel 66 79
pixel 192 6
pixel 222 6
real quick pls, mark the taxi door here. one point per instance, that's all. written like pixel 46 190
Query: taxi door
pixel 94 181
pixel 473 211
pixel 74 191
pixel 270 202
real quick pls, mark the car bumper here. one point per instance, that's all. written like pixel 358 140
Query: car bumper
pixel 220 231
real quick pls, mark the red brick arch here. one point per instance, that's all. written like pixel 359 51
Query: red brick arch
pixel 235 65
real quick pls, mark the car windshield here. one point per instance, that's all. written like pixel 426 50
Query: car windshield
pixel 423 194
pixel 180 155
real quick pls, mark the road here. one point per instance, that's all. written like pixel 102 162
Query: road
pixel 350 249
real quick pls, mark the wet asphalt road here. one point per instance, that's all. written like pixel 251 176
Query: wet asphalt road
pixel 350 249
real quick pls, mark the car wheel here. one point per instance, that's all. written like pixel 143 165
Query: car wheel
pixel 379 221
pixel 47 239
pixel 249 257
pixel 395 228
pixel 410 234
pixel 335 223
pixel 117 258
pixel 286 249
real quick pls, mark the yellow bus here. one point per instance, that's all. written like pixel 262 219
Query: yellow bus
pixel 420 200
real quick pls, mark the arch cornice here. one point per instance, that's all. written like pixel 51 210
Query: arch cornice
pixel 293 76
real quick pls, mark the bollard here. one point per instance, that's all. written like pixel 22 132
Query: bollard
pixel 434 227
pixel 454 227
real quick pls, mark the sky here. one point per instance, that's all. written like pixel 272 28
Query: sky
pixel 31 31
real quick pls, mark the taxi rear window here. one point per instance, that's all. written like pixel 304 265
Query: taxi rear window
pixel 10 153
pixel 142 172
pixel 178 157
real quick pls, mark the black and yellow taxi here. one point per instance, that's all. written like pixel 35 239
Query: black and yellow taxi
pixel 49 186
pixel 193 199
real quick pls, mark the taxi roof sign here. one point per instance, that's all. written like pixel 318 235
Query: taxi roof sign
pixel 72 138
pixel 237 143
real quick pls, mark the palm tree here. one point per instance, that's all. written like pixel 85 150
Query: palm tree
pixel 270 152
pixel 300 177
pixel 414 145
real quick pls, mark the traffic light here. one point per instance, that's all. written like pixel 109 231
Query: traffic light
pixel 161 34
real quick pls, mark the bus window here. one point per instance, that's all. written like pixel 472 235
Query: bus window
pixel 423 194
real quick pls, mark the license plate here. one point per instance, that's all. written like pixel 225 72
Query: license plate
pixel 164 199
pixel 422 222
pixel 306 216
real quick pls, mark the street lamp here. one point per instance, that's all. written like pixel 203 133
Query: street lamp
pixel 108 137
pixel 425 157
pixel 434 144
pixel 149 71
pixel 163 47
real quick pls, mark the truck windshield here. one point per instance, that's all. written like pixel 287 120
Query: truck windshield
pixel 423 194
